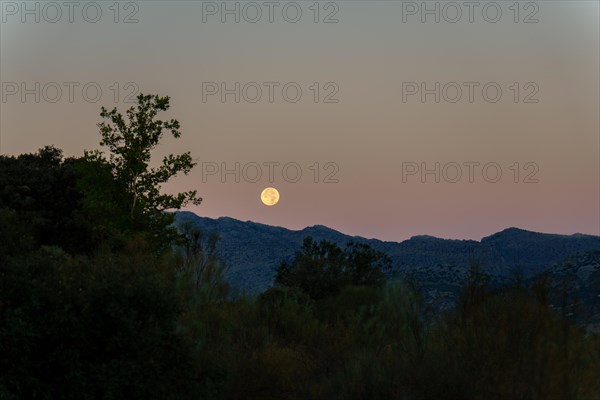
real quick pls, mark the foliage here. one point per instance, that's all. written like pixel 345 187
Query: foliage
pixel 42 190
pixel 92 306
pixel 130 141
pixel 321 268
pixel 201 267
pixel 101 327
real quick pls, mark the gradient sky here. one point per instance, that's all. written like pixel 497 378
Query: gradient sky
pixel 368 134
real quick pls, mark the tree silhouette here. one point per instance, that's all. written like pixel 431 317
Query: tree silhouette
pixel 130 141
pixel 321 268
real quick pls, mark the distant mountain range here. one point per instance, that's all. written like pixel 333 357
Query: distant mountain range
pixel 252 252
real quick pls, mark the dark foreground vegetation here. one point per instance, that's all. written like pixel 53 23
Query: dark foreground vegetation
pixel 101 298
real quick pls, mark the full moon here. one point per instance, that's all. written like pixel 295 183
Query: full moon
pixel 269 196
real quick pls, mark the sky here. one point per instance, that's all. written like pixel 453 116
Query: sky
pixel 384 119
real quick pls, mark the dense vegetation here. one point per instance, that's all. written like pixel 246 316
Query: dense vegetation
pixel 100 298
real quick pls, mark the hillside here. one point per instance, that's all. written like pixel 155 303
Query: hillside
pixel 253 251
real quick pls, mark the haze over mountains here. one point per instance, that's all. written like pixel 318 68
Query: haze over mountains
pixel 253 251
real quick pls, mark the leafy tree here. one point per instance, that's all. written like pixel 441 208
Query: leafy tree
pixel 40 190
pixel 365 266
pixel 130 141
pixel 322 268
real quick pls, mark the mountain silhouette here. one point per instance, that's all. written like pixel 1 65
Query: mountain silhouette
pixel 252 252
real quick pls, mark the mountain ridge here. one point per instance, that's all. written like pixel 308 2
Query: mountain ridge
pixel 253 251
pixel 510 229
